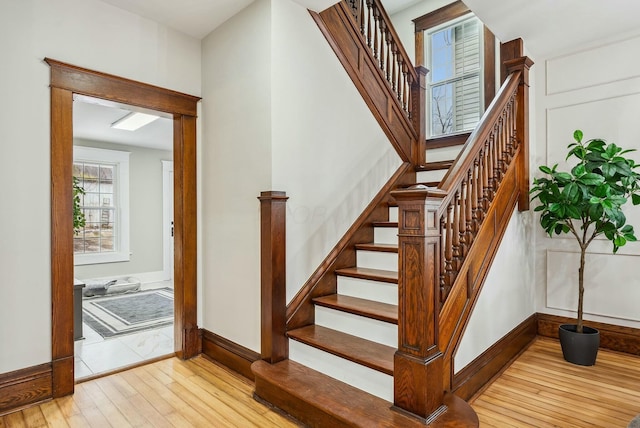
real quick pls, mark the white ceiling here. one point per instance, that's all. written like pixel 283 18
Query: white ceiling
pixel 553 27
pixel 92 119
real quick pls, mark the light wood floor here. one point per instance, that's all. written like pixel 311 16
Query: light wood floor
pixel 537 390
pixel 168 393
pixel 540 389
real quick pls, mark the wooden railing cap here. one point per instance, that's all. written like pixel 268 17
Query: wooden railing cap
pixel 418 192
pixel 523 62
pixel 273 194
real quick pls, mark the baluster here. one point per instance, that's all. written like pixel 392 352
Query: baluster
pixel 456 254
pixel 394 51
pixel 387 67
pixel 514 134
pixel 405 89
pixel 510 149
pixel 486 179
pixel 369 19
pixel 470 210
pixel 443 237
pixel 477 192
pixel 506 156
pixel 383 44
pixel 376 28
pixel 399 77
pixel 496 156
pixel 462 223
pixel 448 268
pixel 362 21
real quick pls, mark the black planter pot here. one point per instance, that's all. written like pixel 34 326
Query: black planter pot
pixel 579 348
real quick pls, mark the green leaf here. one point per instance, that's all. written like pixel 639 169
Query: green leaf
pixel 619 241
pixel 635 198
pixel 577 135
pixel 591 179
pixel 545 169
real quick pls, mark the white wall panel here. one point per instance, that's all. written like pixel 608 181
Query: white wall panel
pixel 592 67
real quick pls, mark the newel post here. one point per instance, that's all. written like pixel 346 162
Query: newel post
pixel 418 362
pixel 418 115
pixel 274 344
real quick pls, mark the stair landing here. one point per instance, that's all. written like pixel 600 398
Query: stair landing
pixel 320 401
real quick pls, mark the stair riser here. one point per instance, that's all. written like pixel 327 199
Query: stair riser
pixel 361 377
pixel 368 289
pixel 367 328
pixel 426 176
pixel 385 235
pixel 442 153
pixel 377 260
pixel 393 214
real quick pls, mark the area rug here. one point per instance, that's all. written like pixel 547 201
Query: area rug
pixel 635 422
pixel 129 313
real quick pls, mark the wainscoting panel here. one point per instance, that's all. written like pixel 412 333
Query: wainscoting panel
pixel 608 284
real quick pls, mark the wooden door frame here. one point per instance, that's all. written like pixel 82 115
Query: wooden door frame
pixel 67 80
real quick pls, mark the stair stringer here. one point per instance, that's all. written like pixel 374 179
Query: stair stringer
pixel 456 311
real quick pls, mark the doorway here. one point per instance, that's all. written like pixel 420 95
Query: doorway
pixel 65 81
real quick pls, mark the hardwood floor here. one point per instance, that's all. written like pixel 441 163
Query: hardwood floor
pixel 540 389
pixel 535 391
pixel 168 393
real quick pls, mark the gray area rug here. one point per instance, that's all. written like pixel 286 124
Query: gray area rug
pixel 129 313
pixel 635 422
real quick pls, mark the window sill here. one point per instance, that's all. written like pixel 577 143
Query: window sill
pixel 94 259
pixel 447 140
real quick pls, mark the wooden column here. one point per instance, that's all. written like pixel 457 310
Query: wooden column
pixel 418 115
pixel 274 344
pixel 522 64
pixel 418 363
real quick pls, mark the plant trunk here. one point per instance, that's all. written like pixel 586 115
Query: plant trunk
pixel 580 289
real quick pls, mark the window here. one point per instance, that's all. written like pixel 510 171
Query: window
pixel 104 176
pixel 459 52
pixel 455 94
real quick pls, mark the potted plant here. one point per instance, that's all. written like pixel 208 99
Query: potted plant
pixel 78 216
pixel 587 203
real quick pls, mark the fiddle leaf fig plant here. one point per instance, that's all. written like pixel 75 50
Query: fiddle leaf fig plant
pixel 78 215
pixel 587 201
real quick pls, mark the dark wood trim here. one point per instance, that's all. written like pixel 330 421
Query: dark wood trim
pixel 23 387
pixel 66 80
pixel 322 282
pixel 229 354
pixel 440 16
pixel 613 337
pixel 494 360
pixel 273 276
pixel 509 50
pixel 448 141
pixel 489 65
pixel 107 86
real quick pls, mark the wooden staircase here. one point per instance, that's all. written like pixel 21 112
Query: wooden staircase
pixel 369 340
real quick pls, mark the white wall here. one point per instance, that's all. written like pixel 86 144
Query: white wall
pixel 236 167
pixel 508 295
pixel 597 90
pixel 86 33
pixel 299 127
pixel 145 208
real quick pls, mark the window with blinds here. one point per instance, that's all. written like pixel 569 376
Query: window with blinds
pixel 454 58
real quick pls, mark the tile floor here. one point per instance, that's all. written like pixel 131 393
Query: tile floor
pixel 95 354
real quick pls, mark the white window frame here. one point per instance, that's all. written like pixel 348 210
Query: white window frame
pixel 428 33
pixel 120 159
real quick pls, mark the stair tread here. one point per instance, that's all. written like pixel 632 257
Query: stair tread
pixel 366 308
pixel 353 348
pixel 368 273
pixel 385 224
pixel 434 166
pixel 316 399
pixel 383 248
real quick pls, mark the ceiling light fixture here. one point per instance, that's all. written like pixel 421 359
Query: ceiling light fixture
pixel 134 121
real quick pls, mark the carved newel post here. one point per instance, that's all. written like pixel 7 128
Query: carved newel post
pixel 273 275
pixel 418 362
